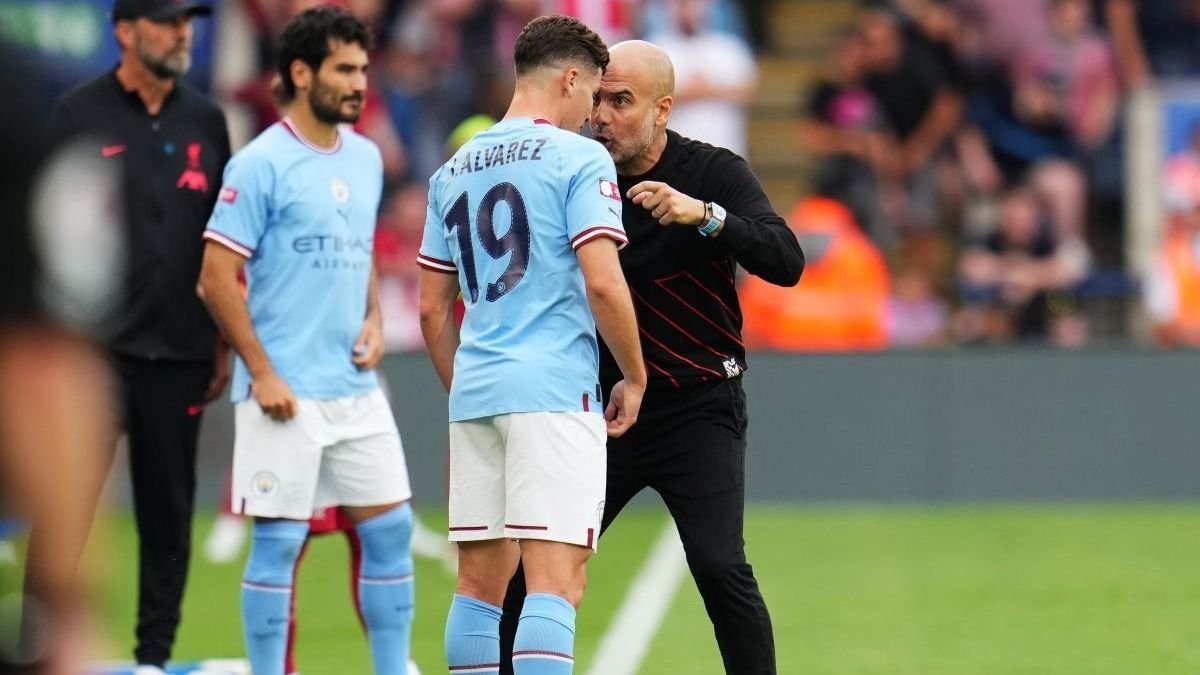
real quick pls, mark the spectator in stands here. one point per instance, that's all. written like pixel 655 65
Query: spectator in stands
pixel 1003 29
pixel 921 106
pixel 1067 84
pixel 937 25
pixel 1006 278
pixel 715 78
pixel 841 125
pixel 916 316
pixel 410 82
pixel 842 302
pixel 1054 109
pixel 1155 38
pixel 1172 288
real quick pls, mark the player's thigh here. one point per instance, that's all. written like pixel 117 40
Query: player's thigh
pixel 275 464
pixel 485 568
pixel 476 490
pixel 364 465
pixel 555 466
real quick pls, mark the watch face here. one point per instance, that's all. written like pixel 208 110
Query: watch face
pixel 718 211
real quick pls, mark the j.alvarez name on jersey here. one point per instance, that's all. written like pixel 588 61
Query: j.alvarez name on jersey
pixel 529 149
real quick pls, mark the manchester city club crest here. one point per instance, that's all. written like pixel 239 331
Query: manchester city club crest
pixel 340 191
pixel 264 484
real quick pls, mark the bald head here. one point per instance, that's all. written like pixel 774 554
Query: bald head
pixel 645 65
pixel 634 105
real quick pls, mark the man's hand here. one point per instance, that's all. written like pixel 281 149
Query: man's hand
pixel 666 204
pixel 274 397
pixel 368 348
pixel 220 378
pixel 623 407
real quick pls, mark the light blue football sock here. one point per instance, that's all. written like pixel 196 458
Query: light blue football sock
pixel 385 587
pixel 545 642
pixel 473 637
pixel 267 592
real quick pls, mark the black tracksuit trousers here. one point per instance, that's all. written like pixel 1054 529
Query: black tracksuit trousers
pixel 162 403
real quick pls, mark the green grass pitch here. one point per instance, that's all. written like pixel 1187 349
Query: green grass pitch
pixel 1003 590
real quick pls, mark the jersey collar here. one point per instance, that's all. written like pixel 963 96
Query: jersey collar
pixel 291 128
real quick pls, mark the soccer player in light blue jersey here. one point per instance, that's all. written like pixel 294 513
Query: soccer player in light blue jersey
pixel 525 221
pixel 297 212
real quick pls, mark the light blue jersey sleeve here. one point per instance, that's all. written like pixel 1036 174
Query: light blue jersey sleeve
pixel 435 250
pixel 239 218
pixel 593 198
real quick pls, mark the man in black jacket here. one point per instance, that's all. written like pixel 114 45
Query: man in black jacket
pixel 693 213
pixel 171 145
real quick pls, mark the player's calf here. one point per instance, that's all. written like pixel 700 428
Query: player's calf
pixel 555 575
pixel 267 592
pixel 473 625
pixel 385 587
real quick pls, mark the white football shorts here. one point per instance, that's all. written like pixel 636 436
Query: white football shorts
pixel 336 452
pixel 537 475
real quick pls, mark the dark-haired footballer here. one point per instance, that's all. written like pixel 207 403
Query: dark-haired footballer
pixel 297 213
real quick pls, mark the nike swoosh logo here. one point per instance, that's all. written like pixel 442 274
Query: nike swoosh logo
pixel 614 212
pixel 111 150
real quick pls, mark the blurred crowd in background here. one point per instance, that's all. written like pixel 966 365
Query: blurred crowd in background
pixel 957 170
pixel 980 148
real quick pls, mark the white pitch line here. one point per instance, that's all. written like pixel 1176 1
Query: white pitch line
pixel 633 628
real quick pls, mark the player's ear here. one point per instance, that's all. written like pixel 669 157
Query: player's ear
pixel 663 112
pixel 570 80
pixel 301 74
pixel 123 33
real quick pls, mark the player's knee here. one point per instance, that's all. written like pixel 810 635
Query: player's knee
pixel 276 547
pixel 576 592
pixel 387 542
pixel 568 582
pixel 712 568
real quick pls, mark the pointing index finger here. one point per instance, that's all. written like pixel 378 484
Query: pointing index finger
pixel 644 186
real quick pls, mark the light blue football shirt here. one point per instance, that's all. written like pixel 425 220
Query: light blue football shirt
pixel 304 217
pixel 506 214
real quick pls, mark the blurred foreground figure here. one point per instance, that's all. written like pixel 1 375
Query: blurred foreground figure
pixel 59 258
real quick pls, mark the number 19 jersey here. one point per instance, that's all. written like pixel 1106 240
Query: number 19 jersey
pixel 506 214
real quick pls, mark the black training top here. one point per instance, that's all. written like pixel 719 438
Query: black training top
pixel 172 164
pixel 683 283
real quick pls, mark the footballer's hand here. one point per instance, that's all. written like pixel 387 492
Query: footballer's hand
pixel 666 204
pixel 623 407
pixel 274 397
pixel 368 348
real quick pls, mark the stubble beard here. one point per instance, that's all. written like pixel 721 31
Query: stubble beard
pixel 626 154
pixel 170 67
pixel 330 113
